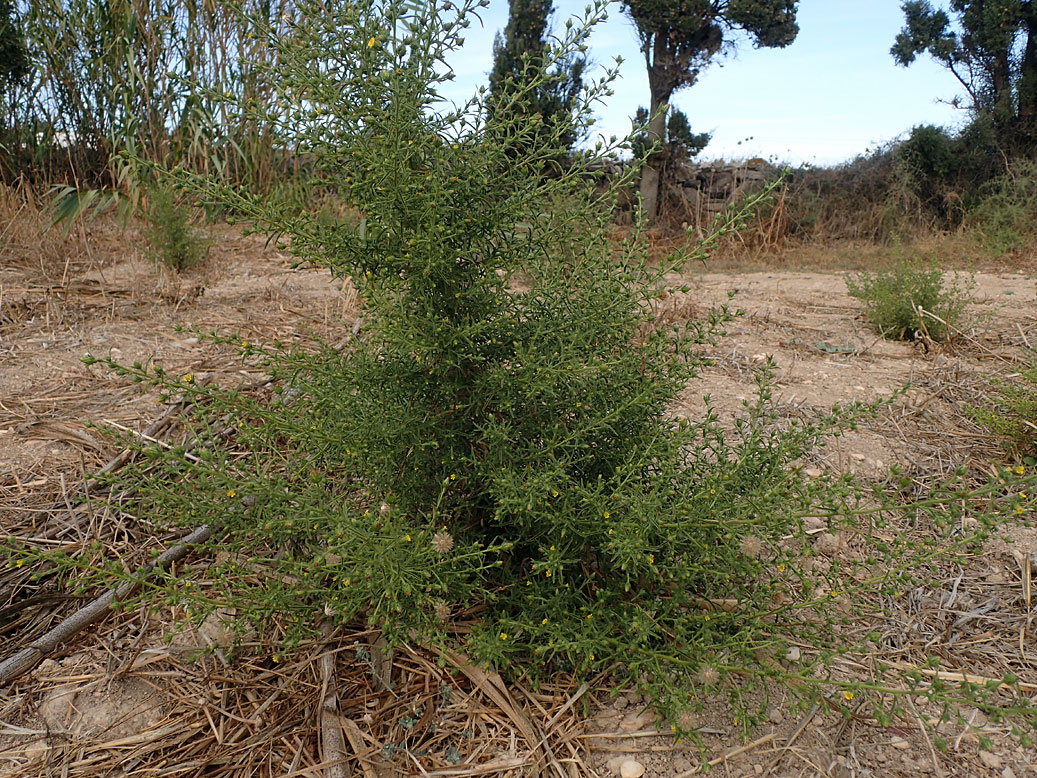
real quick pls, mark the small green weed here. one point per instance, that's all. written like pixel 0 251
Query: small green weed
pixel 898 300
pixel 1012 414
pixel 173 241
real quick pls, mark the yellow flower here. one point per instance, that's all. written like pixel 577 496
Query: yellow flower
pixel 453 476
pixel 371 42
pixel 651 559
pixel 848 696
pixel 547 573
pixel 407 538
pixel 1020 469
pixel 544 621
pixel 231 493
pixel 607 514
pixel 504 636
pixel 188 378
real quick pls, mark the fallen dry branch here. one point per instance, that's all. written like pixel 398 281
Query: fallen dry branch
pixel 333 744
pixel 30 656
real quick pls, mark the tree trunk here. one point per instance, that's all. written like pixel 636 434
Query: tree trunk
pixel 661 84
pixel 651 178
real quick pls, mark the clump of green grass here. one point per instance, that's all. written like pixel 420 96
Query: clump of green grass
pixel 912 299
pixel 174 242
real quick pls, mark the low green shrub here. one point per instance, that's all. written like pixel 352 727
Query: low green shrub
pixel 897 300
pixel 1012 413
pixel 496 445
pixel 174 242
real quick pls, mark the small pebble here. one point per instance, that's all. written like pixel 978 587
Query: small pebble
pixel 631 769
pixel 898 742
pixel 993 761
pixel 620 703
pixel 775 715
pixel 826 544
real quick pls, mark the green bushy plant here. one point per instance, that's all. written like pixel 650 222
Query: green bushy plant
pixel 496 445
pixel 1013 412
pixel 174 242
pixel 1005 213
pixel 896 300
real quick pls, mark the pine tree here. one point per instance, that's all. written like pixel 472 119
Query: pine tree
pixel 519 53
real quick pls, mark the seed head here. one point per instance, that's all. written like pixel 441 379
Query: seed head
pixel 752 547
pixel 442 610
pixel 442 542
pixel 687 721
pixel 708 676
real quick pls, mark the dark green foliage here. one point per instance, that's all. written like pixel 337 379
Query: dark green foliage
pixel 680 143
pixel 680 37
pixel 14 72
pixel 941 175
pixel 14 58
pixel 520 54
pixel 991 48
pixel 892 299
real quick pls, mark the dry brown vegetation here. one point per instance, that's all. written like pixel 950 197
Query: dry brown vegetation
pixel 153 693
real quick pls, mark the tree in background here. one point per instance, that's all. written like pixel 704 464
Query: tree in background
pixel 680 37
pixel 679 141
pixel 519 54
pixel 991 48
pixel 678 145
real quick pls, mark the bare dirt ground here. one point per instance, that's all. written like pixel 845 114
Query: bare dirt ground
pixel 134 696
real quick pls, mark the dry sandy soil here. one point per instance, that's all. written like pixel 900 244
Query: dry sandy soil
pixel 121 700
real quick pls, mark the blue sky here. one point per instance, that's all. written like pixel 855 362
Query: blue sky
pixel 833 94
